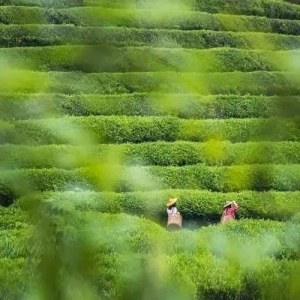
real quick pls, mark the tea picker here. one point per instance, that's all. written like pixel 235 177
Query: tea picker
pixel 230 207
pixel 174 216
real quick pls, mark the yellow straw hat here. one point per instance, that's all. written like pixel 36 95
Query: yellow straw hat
pixel 171 201
pixel 227 203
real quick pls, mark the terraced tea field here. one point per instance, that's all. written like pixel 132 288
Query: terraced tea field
pixel 108 108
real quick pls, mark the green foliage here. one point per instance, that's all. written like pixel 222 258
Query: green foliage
pixel 44 3
pixel 103 129
pixel 71 132
pixel 248 251
pixel 268 8
pixel 218 179
pixel 21 15
pixel 14 243
pixel 12 218
pixel 145 18
pixel 177 153
pixel 120 245
pixel 20 2
pixel 6 130
pixel 293 1
pixel 109 59
pixel 15 106
pixel 203 206
pixel 180 19
pixel 122 129
pixel 51 35
pixel 238 83
pixel 12 278
pixel 239 130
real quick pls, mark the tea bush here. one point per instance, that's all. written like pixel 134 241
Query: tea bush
pixel 33 35
pixel 204 206
pixel 177 153
pixel 109 59
pixel 15 106
pixel 218 179
pixel 136 129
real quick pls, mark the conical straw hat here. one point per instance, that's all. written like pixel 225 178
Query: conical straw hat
pixel 171 201
pixel 227 203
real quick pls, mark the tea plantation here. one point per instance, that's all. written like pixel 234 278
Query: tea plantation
pixel 108 108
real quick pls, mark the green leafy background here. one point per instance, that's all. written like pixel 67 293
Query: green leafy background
pixel 110 107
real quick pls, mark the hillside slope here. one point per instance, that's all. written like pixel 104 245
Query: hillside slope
pixel 110 107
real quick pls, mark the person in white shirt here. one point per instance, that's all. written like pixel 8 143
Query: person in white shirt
pixel 171 207
pixel 174 216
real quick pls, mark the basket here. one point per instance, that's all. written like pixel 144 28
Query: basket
pixel 174 221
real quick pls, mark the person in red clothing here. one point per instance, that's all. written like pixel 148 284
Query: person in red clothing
pixel 230 207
